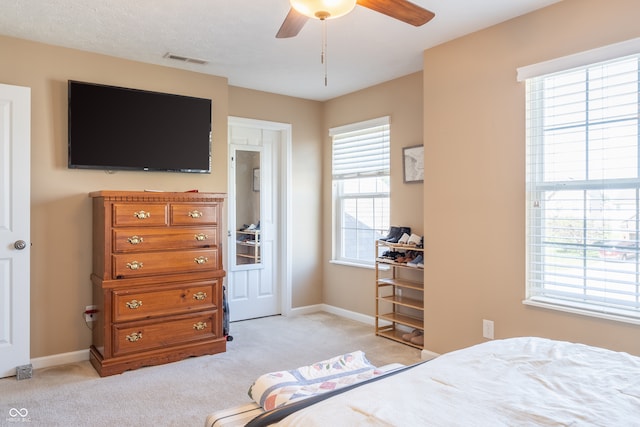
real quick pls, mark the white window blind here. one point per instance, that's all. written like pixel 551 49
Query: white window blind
pixel 361 149
pixel 583 189
pixel 360 170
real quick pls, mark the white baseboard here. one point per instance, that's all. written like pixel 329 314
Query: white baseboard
pixel 369 320
pixel 60 359
pixel 428 355
pixel 82 355
pixel 308 309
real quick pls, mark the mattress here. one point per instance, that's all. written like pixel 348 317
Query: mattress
pixel 513 382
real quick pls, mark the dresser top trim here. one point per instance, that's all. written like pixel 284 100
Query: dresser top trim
pixel 157 196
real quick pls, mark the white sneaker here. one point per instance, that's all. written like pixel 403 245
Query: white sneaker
pixel 414 240
pixel 416 262
pixel 404 239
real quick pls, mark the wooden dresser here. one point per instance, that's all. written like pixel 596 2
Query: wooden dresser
pixel 157 278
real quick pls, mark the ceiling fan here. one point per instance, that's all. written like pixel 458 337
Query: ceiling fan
pixel 302 10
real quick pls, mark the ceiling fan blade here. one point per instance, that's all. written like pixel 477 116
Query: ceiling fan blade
pixel 292 24
pixel 402 10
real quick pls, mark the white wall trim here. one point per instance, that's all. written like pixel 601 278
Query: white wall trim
pixel 333 310
pixel 369 320
pixel 428 355
pixel 580 59
pixel 307 309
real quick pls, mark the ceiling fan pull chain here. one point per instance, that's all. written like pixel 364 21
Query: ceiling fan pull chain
pixel 323 55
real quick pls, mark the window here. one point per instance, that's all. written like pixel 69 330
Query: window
pixel 360 171
pixel 583 189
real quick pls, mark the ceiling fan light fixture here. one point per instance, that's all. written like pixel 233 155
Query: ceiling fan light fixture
pixel 323 9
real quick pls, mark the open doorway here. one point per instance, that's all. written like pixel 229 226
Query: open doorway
pixel 259 269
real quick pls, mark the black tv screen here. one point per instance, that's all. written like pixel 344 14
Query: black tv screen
pixel 115 128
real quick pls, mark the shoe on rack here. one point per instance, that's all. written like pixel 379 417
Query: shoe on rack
pixel 416 261
pixel 414 240
pixel 390 256
pixel 399 234
pixel 418 340
pixel 415 333
pixel 404 239
pixel 392 232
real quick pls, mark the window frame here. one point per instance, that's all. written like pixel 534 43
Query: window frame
pixel 536 186
pixel 340 197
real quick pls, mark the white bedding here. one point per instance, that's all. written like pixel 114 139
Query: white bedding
pixel 513 382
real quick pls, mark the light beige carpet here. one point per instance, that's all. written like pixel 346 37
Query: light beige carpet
pixel 184 393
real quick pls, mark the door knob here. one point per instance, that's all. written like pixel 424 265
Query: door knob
pixel 20 244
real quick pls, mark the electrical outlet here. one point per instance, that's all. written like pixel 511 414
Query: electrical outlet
pixel 89 314
pixel 487 329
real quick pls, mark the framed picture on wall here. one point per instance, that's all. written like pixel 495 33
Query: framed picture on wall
pixel 256 179
pixel 413 163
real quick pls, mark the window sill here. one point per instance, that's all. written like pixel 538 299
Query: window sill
pixel 553 305
pixel 351 264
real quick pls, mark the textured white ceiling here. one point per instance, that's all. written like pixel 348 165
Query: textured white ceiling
pixel 237 37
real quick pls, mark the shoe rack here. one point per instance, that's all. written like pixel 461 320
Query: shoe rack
pixel 399 293
pixel 248 247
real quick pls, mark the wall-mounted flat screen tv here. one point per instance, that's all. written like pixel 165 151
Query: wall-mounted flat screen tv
pixel 115 128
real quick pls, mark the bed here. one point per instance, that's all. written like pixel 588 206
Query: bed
pixel 517 381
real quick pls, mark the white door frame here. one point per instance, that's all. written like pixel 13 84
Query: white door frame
pixel 283 256
pixel 15 245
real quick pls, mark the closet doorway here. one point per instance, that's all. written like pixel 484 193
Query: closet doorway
pixel 258 265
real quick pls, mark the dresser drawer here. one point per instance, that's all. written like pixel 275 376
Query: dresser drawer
pixel 150 239
pixel 139 214
pixel 139 304
pixel 151 263
pixel 193 214
pixel 149 335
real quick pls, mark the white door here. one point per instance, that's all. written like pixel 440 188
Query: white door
pixel 255 284
pixel 15 147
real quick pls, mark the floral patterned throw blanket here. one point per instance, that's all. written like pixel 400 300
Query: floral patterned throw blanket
pixel 280 388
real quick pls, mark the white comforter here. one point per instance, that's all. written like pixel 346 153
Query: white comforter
pixel 513 382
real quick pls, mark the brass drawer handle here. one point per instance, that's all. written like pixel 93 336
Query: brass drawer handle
pixel 142 214
pixel 200 295
pixel 199 326
pixel 200 237
pixel 136 336
pixel 195 214
pixel 134 265
pixel 201 260
pixel 135 240
pixel 133 304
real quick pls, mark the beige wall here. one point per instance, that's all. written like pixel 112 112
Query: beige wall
pixel 352 288
pixel 474 195
pixel 61 209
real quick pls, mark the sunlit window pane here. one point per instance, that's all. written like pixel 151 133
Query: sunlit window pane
pixel 583 186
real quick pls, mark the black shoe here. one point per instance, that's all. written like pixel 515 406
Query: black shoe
pixel 392 232
pixel 399 234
